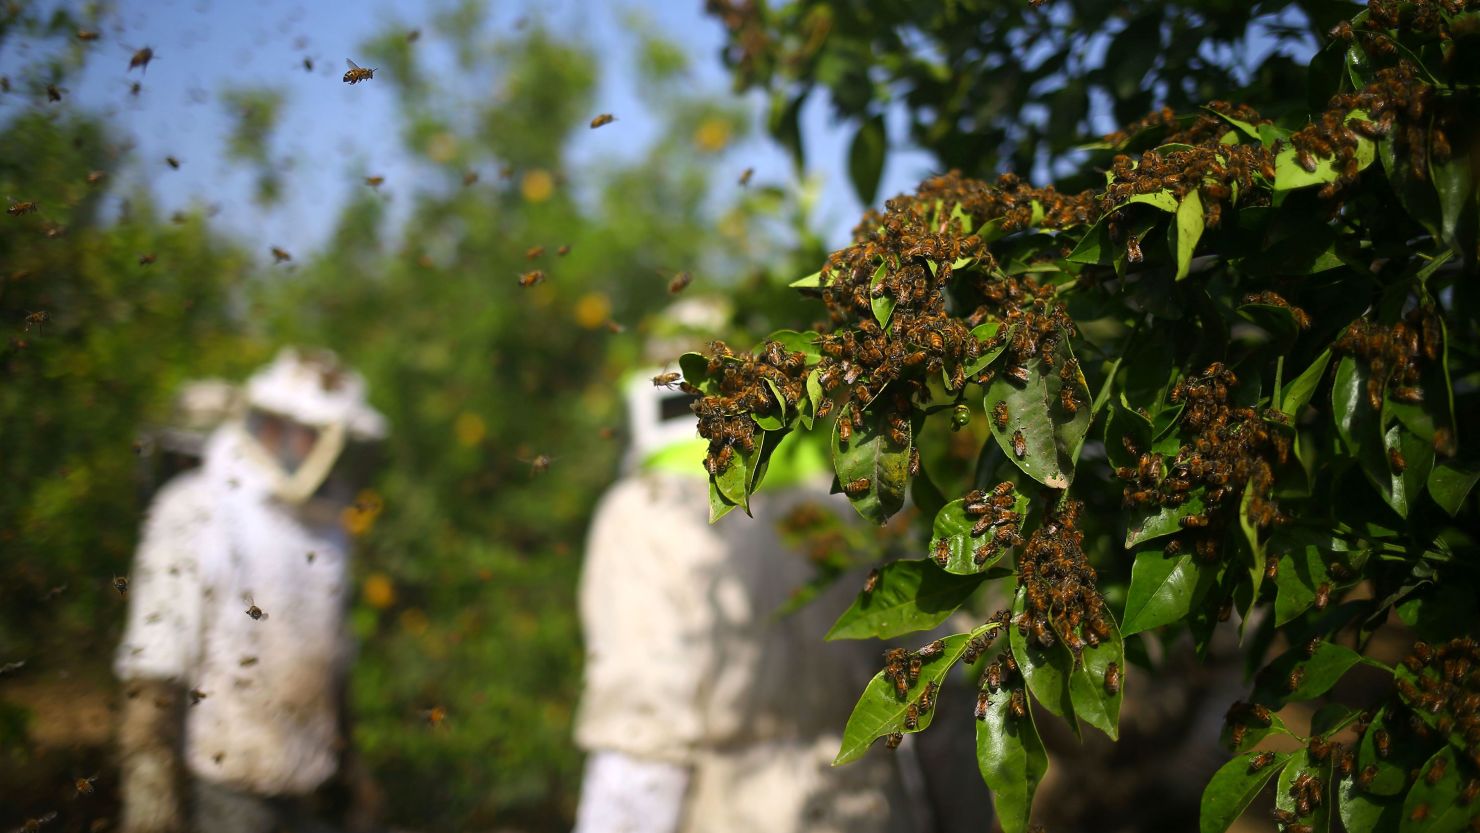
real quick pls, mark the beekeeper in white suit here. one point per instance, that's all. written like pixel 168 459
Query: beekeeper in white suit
pixel 235 648
pixel 702 709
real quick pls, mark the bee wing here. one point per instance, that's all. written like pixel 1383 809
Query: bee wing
pixel 352 64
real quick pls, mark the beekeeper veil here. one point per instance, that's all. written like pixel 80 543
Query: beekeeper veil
pixel 302 411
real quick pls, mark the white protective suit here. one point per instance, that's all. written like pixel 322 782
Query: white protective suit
pixel 237 534
pixel 702 709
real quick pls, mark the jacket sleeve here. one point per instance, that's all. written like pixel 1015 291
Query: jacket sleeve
pixel 647 620
pixel 162 638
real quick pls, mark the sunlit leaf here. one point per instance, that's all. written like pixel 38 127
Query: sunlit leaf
pixel 911 596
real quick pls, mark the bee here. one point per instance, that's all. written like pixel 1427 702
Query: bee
pixel 1018 705
pixel 254 611
pixel 540 464
pixel 856 488
pixel 1260 761
pixel 1067 400
pixel 1472 789
pixel 1019 445
pixel 912 717
pixel 434 716
pixel 1112 679
pixel 356 73
pixel 981 554
pixel 616 328
pixel 413 36
pixel 983 702
pixel 1320 749
pixel 1000 415
pixel 1018 374
pixel 679 283
pixel 845 427
pixel 135 88
pixel 196 695
pixel 17 208
pixel 563 250
pixel 602 120
pixel 1420 812
pixel 942 553
pixel 916 663
pixel 1297 676
pixel 470 178
pixel 1396 460
pixel 120 583
pixel 531 278
pixel 1323 596
pixel 33 825
pixel 374 181
pixel 94 177
pixel 871 583
pixel 36 318
pixel 667 380
pixel 1382 741
pixel 147 259
pixel 1312 646
pixel 1436 771
pixel 87 35
pixel 893 740
pixel 914 465
pixel 53 94
pixel 141 59
pixel 992 676
pixel 247 662
pixel 745 177
pixel 1271 567
pixel 533 252
pixel 280 255
pixel 307 64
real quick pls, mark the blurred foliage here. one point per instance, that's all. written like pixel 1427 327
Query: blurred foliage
pixel 989 85
pixel 467 575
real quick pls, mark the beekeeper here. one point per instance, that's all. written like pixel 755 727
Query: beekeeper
pixel 702 709
pixel 235 649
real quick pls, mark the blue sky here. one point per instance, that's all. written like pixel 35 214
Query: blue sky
pixel 332 132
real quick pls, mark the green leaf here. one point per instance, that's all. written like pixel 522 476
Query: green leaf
pixel 1092 702
pixel 1095 248
pixel 734 482
pixel 1255 553
pixel 1362 811
pixel 1122 424
pixel 719 505
pixel 1232 788
pixel 1046 670
pixel 870 454
pixel 953 527
pixel 883 305
pixel 1319 819
pixel 1051 436
pixel 1445 814
pixel 911 596
pixel 1320 672
pixel 1164 589
pixel 1302 568
pixel 1163 199
pixel 1152 522
pixel 795 342
pixel 1450 483
pixel 1459 211
pixel 983 333
pixel 1189 229
pixel 1288 174
pixel 1298 393
pixel 1247 129
pixel 807 405
pixel 1391 778
pixel 812 280
pixel 1359 426
pixel 881 711
pixel 1012 761
pixel 866 159
pixel 1253 734
pixel 775 418
pixel 695 367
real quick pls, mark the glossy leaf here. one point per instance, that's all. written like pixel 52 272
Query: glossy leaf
pixel 1289 175
pixel 1012 761
pixel 1092 702
pixel 1232 788
pixel 881 711
pixel 953 527
pixel 1319 673
pixel 1164 589
pixel 882 305
pixel 1359 426
pixel 1189 229
pixel 1443 813
pixel 1047 670
pixel 1391 777
pixel 870 454
pixel 1051 436
pixel 695 369
pixel 1362 811
pixel 983 333
pixel 1297 394
pixel 1302 569
pixel 1153 522
pixel 1319 819
pixel 911 596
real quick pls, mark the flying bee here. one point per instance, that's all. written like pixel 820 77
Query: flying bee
pixel 434 716
pixel 120 583
pixel 135 88
pixel 141 59
pixel 667 380
pixel 1019 445
pixel 745 177
pixel 856 488
pixel 871 583
pixel 37 319
pixel 374 181
pixel 172 162
pixel 533 252
pixel 531 278
pixel 679 283
pixel 254 611
pixel 356 73
pixel 280 255
pixel 307 64
pixel 94 177
pixel 602 120
pixel 17 208
pixel 563 250
pixel 196 695
pixel 87 35
pixel 1112 679
pixel 53 93
pixel 147 259
pixel 247 662
pixel 1000 415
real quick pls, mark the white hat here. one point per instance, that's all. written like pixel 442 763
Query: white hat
pixel 315 389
